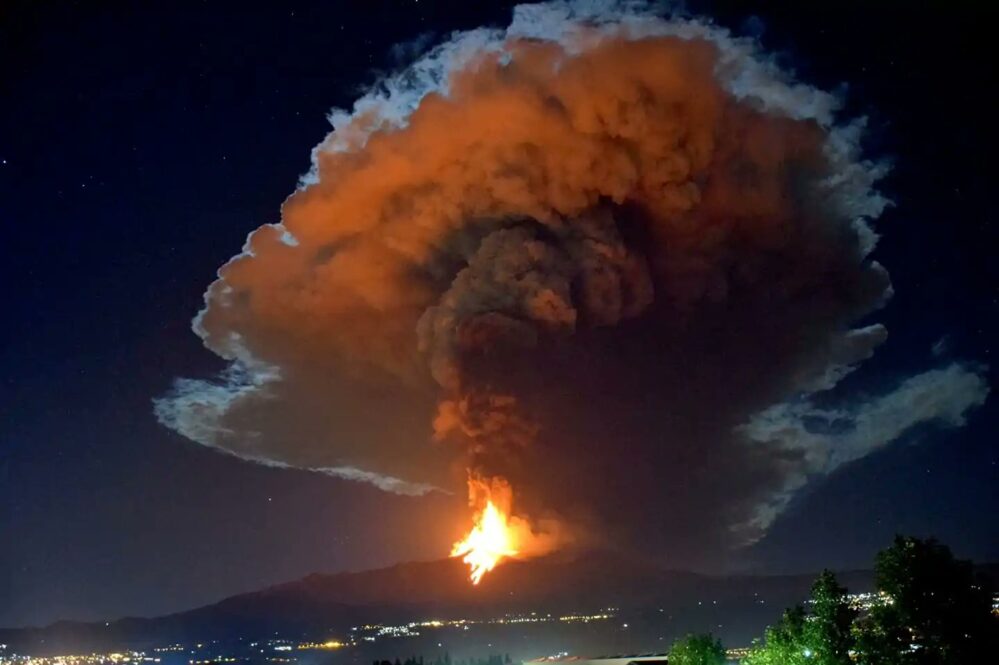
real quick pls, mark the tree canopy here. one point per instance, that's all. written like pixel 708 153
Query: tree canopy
pixel 699 649
pixel 783 643
pixel 936 611
pixel 931 609
pixel 828 635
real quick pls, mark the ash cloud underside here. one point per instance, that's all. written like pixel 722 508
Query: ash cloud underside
pixel 610 257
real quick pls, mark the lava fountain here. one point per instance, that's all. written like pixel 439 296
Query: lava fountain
pixel 494 534
pixel 497 533
pixel 489 541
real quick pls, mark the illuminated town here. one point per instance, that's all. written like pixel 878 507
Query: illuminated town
pixel 282 650
pixel 279 650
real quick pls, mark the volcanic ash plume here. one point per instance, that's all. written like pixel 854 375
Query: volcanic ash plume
pixel 602 259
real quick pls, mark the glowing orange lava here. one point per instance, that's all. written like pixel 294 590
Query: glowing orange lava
pixel 497 533
pixel 489 541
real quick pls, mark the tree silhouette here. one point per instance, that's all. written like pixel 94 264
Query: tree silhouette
pixel 700 649
pixel 828 635
pixel 935 610
pixel 783 643
pixel 931 610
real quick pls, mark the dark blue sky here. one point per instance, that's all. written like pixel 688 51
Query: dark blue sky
pixel 141 143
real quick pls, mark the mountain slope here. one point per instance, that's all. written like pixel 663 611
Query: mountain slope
pixel 324 603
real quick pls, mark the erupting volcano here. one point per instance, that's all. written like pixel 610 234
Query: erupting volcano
pixel 613 260
pixel 489 541
pixel 497 533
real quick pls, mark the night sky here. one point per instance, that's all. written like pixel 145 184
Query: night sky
pixel 141 144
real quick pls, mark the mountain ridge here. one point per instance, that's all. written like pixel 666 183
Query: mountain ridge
pixel 320 603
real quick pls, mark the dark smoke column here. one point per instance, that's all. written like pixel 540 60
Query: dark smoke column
pixel 602 259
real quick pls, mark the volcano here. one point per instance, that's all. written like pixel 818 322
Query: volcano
pixel 323 604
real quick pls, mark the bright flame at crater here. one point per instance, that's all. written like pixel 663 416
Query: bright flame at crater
pixel 489 541
pixel 497 533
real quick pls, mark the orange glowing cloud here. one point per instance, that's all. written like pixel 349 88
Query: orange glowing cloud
pixel 575 259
